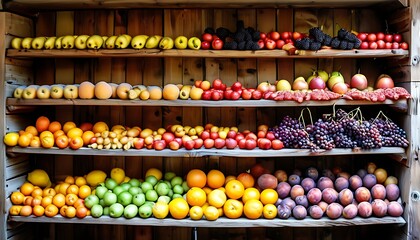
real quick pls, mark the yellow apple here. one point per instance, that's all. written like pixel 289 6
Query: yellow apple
pixel 71 91
pixel 195 93
pixel 29 92
pixel 123 89
pixel 57 91
pixel 43 92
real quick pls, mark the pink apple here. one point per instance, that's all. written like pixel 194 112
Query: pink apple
pixel 250 144
pixel 359 81
pixel 219 143
pixel 198 143
pixel 231 143
pixel 208 143
pixel 264 143
pixel 317 83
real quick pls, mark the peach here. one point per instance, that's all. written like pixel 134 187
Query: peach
pixel 103 90
pixel 378 191
pixel 314 195
pixel 170 92
pixel 341 183
pixel 122 90
pixel 296 191
pixel 345 197
pixel 155 92
pixel 329 195
pixel 283 189
pixel 299 212
pixel 316 212
pixel 283 211
pixel 302 200
pixel 391 179
pixel 395 209
pixel 362 194
pixel 86 90
pixel 392 192
pixel 350 211
pixel 369 180
pixel 364 209
pixel 334 210
pixel 114 87
pixel 379 208
pixel 355 182
pixel 325 182
pixel 307 184
pixel 281 175
pixel 381 175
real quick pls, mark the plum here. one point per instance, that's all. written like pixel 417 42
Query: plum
pixel 395 209
pixel 345 197
pixel 307 184
pixel 369 180
pixel 289 202
pixel 299 212
pixel 392 192
pixel 297 190
pixel 314 196
pixel 361 172
pixel 267 181
pixel 329 174
pixel 334 210
pixel 324 182
pixel 315 212
pixel 283 189
pixel 279 200
pixel 341 183
pixel 364 209
pixel 350 211
pixel 302 200
pixel 323 205
pixel 312 173
pixel 362 194
pixel 355 182
pixel 378 191
pixel 329 195
pixel 283 211
pixel 379 208
pixel 294 179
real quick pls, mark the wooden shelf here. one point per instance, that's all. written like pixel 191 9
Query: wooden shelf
pixel 182 152
pixel 115 53
pixel 90 4
pixel 221 222
pixel 194 103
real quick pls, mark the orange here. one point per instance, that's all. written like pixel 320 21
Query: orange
pixel 215 178
pixel 42 123
pixel 59 200
pixel 84 191
pixel 196 178
pixel 36 201
pixel 269 196
pixel 26 211
pixel 269 211
pixel 250 193
pixel 51 210
pixel 58 133
pixel 233 208
pixel 80 181
pixel 228 178
pixel 63 188
pixel 27 188
pixel 17 198
pixel 38 210
pixel 74 132
pixel 48 192
pixel 73 188
pixel 100 127
pixel 67 126
pixel 211 213
pixel 234 189
pixel 196 197
pixel 70 212
pixel 216 198
pixel 32 130
pixel 196 213
pixel 253 209
pixel 179 208
pixel 46 201
pixel 24 139
pixel 87 136
pixel 246 179
pixel 54 126
pixel 71 198
pixel 69 179
pixel 37 192
pixel 207 190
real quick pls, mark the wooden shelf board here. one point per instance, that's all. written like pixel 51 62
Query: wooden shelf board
pixel 182 152
pixel 221 222
pixel 194 103
pixel 115 53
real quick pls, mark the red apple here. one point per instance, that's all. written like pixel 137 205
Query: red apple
pixel 217 44
pixel 241 143
pixel 239 136
pixel 159 145
pixel 371 37
pixel 296 35
pixel 219 143
pixel 231 143
pixel 231 134
pixel 270 135
pixel 280 43
pixel 373 45
pixel 395 45
pixel 317 83
pixel 205 45
pixel 168 137
pixel 138 143
pixel 76 143
pixel 277 144
pixel 235 95
pixel 285 35
pixel 179 140
pixel 388 45
pixel 359 81
pixel 217 84
pixel 397 37
pixel 263 35
pixel 207 37
pixel 214 135
pixel 250 144
pixel 251 135
pixel 228 94
pixel 340 88
pixel 208 143
pixel 256 95
pixel 264 143
pixel 380 36
pixel 404 46
pixel 388 37
pixel 274 35
pixel 270 44
pixel 174 145
pixel 261 43
pixel 189 144
pixel 261 134
pixel 216 95
pixel 198 143
pixel 236 86
pixel 364 45
pixel 384 81
pixel 206 95
pixel 362 36
pixel 205 134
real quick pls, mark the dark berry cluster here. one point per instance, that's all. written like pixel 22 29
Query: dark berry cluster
pixel 344 40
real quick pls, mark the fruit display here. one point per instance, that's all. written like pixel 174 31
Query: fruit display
pixel 257 193
pixel 381 40
pixel 320 86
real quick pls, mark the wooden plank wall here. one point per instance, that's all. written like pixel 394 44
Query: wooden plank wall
pixel 156 71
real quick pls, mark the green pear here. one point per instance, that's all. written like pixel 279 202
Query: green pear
pixel 139 41
pixel 110 42
pixel 58 42
pixel 166 43
pixel 181 42
pixel 38 42
pixel 194 43
pixel 26 43
pixel 123 41
pixel 94 42
pixel 80 41
pixel 50 43
pixel 153 41
pixel 16 43
pixel 67 42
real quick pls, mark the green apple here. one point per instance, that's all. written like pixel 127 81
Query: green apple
pixel 151 195
pixel 124 198
pixel 130 211
pixel 102 202
pixel 177 180
pixel 100 191
pixel 145 210
pixel 185 186
pixel 146 186
pixel 176 195
pixel 169 175
pixel 116 210
pixel 91 200
pixel 106 211
pixel 110 183
pixel 125 186
pixel 170 193
pixel 139 199
pixel 162 188
pixel 181 42
pixel 118 189
pixel 151 179
pixel 135 190
pixel 165 199
pixel 178 189
pixel 134 182
pixel 110 198
pixel 96 211
pixel 194 43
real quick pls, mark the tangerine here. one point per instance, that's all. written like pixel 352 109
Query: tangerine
pixel 42 123
pixel 250 193
pixel 17 198
pixel 84 191
pixel 196 178
pixel 27 188
pixel 216 198
pixel 233 208
pixel 253 209
pixel 54 126
pixel 32 130
pixel 154 172
pixel 215 178
pixel 269 196
pixel 26 211
pixel 179 208
pixel 211 213
pixel 51 210
pixel 68 125
pixel 196 197
pixel 269 211
pixel 234 189
pixel 59 200
pixel 38 210
pixel 196 213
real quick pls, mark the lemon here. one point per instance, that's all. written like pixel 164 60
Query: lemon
pixel 11 139
pixel 127 179
pixel 95 177
pixel 40 178
pixel 160 209
pixel 118 174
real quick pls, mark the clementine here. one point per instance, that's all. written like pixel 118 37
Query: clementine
pixel 196 178
pixel 42 123
pixel 215 178
pixel 196 197
pixel 179 208
pixel 269 196
pixel 253 209
pixel 234 189
pixel 233 208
